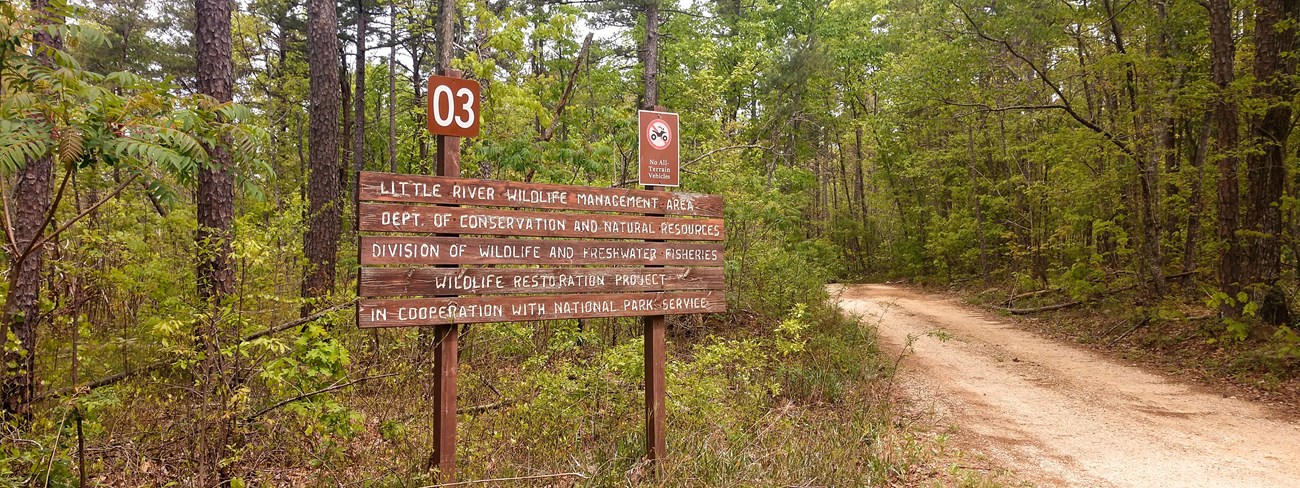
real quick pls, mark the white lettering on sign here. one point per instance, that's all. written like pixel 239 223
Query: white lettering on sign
pixel 536 196
pixel 691 254
pixel 507 222
pixel 680 204
pixel 512 251
pixel 670 304
pixel 621 201
pixel 528 309
pixel 638 253
pixel 680 229
pixel 398 219
pixel 409 189
pixel 627 227
pixel 405 250
pixel 469 282
pixel 582 306
pixel 450 311
pixel 473 192
pixel 557 281
pixel 654 279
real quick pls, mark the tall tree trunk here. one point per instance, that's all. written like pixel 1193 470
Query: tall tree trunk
pixel 321 243
pixel 1265 166
pixel 650 56
pixel 216 211
pixel 392 86
pixel 216 194
pixel 1222 53
pixel 359 111
pixel 31 198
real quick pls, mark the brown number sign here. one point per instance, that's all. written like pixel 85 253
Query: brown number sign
pixel 453 106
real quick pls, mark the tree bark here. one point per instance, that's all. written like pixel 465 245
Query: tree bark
pixel 359 101
pixel 216 192
pixel 650 56
pixel 1222 53
pixel 1265 165
pixel 321 243
pixel 392 87
pixel 31 197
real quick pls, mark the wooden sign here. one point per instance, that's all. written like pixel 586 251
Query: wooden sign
pixel 468 310
pixel 659 148
pixel 410 250
pixel 388 187
pixel 388 217
pixel 396 282
pixel 453 106
pixel 669 262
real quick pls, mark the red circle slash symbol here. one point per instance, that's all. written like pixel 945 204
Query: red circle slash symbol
pixel 658 133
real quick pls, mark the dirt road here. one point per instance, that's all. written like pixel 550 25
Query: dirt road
pixel 1058 415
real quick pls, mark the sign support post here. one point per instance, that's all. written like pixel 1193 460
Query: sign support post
pixel 446 341
pixel 658 144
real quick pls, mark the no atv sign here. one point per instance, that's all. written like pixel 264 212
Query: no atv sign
pixel 659 148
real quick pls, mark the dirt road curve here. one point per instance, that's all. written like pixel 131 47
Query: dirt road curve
pixel 1058 415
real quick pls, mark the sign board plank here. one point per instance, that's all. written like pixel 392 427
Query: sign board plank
pixel 389 187
pixel 389 217
pixel 468 310
pixel 410 250
pixel 659 148
pixel 397 282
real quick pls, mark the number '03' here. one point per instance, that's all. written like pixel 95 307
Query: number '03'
pixel 444 115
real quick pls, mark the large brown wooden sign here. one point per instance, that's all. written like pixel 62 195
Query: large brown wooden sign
pixel 667 262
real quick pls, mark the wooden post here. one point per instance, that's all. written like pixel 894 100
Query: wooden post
pixel 656 410
pixel 446 343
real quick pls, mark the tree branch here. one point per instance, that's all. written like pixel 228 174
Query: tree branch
pixel 1042 74
pixel 81 215
pixel 564 98
pixel 334 387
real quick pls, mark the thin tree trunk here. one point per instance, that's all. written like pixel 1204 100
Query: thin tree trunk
pixel 1194 205
pixel 320 245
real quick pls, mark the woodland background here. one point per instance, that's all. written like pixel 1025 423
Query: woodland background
pixel 180 261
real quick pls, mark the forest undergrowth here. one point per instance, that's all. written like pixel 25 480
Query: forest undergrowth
pixel 805 401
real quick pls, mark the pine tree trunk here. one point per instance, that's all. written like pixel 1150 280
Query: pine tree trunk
pixel 216 193
pixel 650 56
pixel 392 87
pixel 321 243
pixel 1265 166
pixel 216 212
pixel 1222 50
pixel 31 204
pixel 359 101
